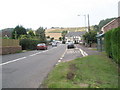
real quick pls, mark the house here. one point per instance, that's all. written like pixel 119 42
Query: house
pixel 113 24
pixel 109 26
pixel 6 32
pixel 75 37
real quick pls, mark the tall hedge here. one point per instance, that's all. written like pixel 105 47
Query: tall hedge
pixel 112 44
pixel 108 43
pixel 115 44
pixel 29 44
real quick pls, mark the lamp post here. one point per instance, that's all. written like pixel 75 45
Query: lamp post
pixel 85 20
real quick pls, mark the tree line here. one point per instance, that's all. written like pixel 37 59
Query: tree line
pixel 20 32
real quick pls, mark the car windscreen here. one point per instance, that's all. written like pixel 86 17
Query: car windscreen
pixel 41 45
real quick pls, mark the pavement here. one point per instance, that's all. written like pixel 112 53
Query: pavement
pixel 88 50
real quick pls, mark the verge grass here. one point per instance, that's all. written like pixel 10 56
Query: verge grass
pixel 95 71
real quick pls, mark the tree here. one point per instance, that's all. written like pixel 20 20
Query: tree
pixel 40 33
pixel 48 37
pixel 90 37
pixel 31 33
pixel 18 31
pixel 52 38
pixel 63 34
pixel 104 22
pixel 23 37
pixel 96 28
pixel 60 38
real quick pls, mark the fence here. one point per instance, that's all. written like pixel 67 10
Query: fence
pixel 10 42
pixel 9 46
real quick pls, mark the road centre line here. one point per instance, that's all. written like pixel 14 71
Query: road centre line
pixel 12 61
pixel 23 58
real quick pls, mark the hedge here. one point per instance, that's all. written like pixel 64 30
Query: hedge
pixel 112 44
pixel 29 44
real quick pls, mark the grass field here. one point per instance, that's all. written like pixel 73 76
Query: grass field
pixel 64 29
pixel 96 71
pixel 56 33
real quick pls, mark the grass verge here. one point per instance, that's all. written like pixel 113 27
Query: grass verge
pixel 95 71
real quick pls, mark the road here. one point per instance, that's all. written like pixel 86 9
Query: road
pixel 28 69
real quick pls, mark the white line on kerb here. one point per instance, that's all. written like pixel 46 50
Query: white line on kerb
pixel 83 53
pixel 12 61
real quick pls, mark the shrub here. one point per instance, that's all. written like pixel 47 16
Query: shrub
pixel 115 44
pixel 108 43
pixel 29 44
pixel 112 44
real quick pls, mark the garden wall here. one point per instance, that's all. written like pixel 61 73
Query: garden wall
pixel 9 46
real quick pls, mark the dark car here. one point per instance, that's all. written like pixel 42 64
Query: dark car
pixel 42 46
pixel 70 45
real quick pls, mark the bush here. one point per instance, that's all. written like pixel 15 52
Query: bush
pixel 28 44
pixel 108 43
pixel 112 44
pixel 115 44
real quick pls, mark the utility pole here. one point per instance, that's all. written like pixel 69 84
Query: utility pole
pixel 85 22
pixel 88 24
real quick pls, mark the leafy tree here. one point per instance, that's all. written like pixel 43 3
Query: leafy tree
pixel 31 33
pixel 60 38
pixel 90 37
pixel 52 38
pixel 48 37
pixel 18 30
pixel 40 33
pixel 104 22
pixel 96 28
pixel 23 37
pixel 63 34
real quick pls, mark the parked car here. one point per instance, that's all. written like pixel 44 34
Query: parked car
pixel 70 45
pixel 42 46
pixel 54 44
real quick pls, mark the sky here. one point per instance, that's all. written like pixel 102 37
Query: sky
pixel 55 13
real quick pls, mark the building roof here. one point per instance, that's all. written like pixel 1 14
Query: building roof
pixel 100 35
pixel 70 34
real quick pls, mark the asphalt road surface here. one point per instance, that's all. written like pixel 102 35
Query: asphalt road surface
pixel 28 70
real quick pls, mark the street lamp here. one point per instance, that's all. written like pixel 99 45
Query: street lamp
pixel 85 20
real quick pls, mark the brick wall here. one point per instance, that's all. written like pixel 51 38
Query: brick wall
pixel 113 24
pixel 9 49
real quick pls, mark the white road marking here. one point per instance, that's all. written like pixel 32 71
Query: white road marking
pixel 83 53
pixel 59 61
pixel 23 58
pixel 12 61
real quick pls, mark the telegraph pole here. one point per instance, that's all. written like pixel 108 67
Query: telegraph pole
pixel 88 24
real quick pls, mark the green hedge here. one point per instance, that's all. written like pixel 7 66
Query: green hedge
pixel 112 44
pixel 28 44
pixel 108 43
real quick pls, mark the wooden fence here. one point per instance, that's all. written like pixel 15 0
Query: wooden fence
pixel 9 42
